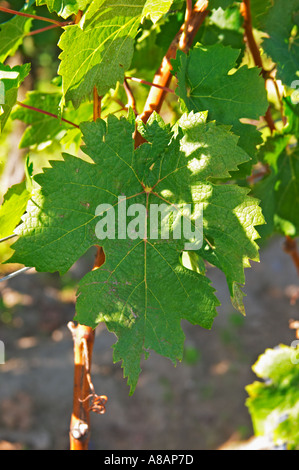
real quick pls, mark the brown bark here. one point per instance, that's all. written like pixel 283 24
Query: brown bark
pixel 80 420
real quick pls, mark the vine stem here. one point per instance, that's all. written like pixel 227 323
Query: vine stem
pixel 47 28
pixel 255 52
pixel 163 75
pixel 290 245
pixel 97 105
pixel 41 111
pixel 145 82
pixel 83 337
pixel 35 17
pixel 130 96
pixel 80 420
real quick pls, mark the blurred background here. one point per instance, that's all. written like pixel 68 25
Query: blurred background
pixel 200 404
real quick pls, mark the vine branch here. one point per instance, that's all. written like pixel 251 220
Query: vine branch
pixel 290 245
pixel 255 52
pixel 130 96
pixel 83 337
pixel 163 75
pixel 97 105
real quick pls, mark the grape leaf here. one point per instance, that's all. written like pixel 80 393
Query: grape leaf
pixel 10 80
pixel 134 290
pixel 204 83
pixel 12 209
pixel 104 45
pixel 13 32
pixel 274 403
pixel 281 24
pixel 64 8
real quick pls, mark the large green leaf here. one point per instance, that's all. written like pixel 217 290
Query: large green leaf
pixel 134 291
pixel 99 50
pixel 204 83
pixel 10 80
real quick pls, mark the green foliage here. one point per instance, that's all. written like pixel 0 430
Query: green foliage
pixel 278 191
pixel 204 83
pixel 281 24
pixel 148 285
pixel 274 403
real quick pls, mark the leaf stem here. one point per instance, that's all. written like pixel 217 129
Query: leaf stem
pixel 47 28
pixel 32 108
pixel 145 82
pixel 255 52
pixel 83 337
pixel 97 105
pixel 130 96
pixel 35 17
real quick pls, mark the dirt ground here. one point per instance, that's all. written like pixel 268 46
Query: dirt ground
pixel 200 404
